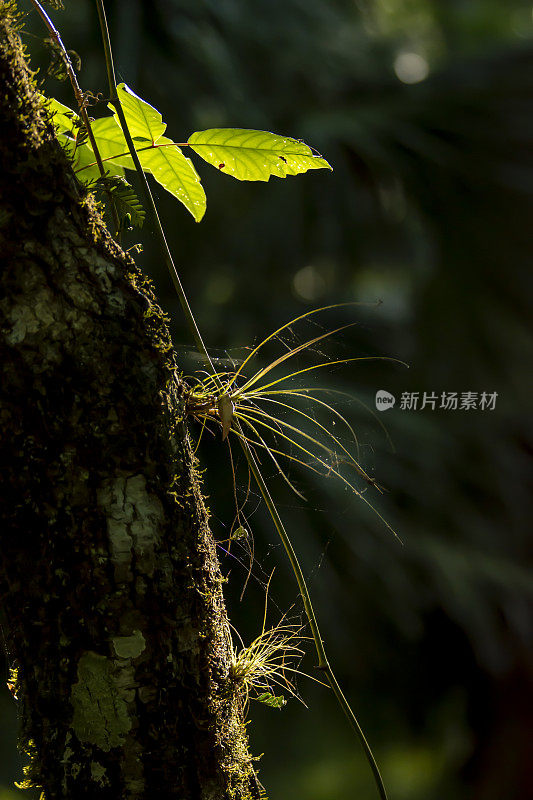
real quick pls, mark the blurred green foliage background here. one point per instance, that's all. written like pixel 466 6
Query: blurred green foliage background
pixel 425 110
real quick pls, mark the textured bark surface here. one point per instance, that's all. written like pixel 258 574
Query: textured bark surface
pixel 109 582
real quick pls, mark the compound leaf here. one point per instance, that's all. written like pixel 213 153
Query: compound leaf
pixel 254 155
pixel 271 700
pixel 126 201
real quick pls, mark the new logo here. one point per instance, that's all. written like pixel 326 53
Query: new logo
pixel 384 400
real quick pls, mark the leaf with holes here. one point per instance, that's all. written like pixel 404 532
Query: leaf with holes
pixel 254 155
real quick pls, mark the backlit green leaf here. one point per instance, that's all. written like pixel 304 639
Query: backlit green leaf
pixel 254 155
pixel 111 142
pixel 176 174
pixel 165 161
pixel 144 121
pixel 64 117
pixel 85 167
pixel 67 124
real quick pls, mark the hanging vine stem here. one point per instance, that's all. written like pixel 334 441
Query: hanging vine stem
pixel 323 663
pixel 80 99
pixel 167 255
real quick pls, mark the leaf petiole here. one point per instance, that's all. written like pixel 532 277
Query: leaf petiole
pixel 138 150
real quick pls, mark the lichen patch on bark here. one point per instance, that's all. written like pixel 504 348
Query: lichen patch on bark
pixel 129 646
pixel 100 707
pixel 135 519
pixel 98 774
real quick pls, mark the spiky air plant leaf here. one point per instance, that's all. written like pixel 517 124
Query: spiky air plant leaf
pixel 267 663
pixel 255 410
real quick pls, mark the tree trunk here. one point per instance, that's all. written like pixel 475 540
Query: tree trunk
pixel 109 581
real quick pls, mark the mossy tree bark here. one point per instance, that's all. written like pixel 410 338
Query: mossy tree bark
pixel 110 586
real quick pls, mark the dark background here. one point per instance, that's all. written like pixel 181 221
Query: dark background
pixel 425 110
